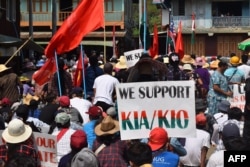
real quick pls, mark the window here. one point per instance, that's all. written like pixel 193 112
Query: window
pixel 109 5
pixel 181 9
pixel 40 6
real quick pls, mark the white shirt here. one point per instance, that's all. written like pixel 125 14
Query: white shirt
pixel 193 147
pixel 104 86
pixel 63 145
pixel 82 106
pixel 216 159
pixel 246 69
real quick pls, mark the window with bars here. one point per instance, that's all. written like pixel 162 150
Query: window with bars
pixel 109 5
pixel 40 5
pixel 181 9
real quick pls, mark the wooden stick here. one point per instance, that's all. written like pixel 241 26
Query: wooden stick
pixel 17 50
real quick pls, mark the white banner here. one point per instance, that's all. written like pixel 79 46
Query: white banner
pixel 238 99
pixel 143 106
pixel 133 57
pixel 46 146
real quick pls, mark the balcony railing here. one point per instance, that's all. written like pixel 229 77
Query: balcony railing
pixel 215 22
pixel 45 19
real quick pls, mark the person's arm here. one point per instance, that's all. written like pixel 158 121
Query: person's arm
pixel 215 135
pixel 177 147
pixel 203 156
pixel 219 90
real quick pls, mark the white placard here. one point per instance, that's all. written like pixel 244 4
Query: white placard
pixel 145 105
pixel 238 99
pixel 133 57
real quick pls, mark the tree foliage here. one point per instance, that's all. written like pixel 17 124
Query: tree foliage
pixel 153 17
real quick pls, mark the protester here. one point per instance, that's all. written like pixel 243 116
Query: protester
pixel 108 147
pixel 233 74
pixel 18 138
pixel 21 161
pixel 95 114
pixel 104 88
pixel 48 112
pixel 92 72
pixel 158 141
pixel 174 72
pixel 82 105
pixel 63 134
pixel 9 84
pixel 27 87
pixel 244 66
pixel 65 106
pixel 204 75
pixel 121 70
pixel 65 81
pixel 5 110
pixel 197 147
pixel 188 70
pixel 218 88
pixel 147 69
pixel 140 155
pixel 232 141
pixel 221 117
pixel 78 140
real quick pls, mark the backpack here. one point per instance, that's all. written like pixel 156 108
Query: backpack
pixel 85 158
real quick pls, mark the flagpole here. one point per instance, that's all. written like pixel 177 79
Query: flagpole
pixel 58 76
pixel 140 17
pixel 145 28
pixel 83 72
pixel 11 57
pixel 104 41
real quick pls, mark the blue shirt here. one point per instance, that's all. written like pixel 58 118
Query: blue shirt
pixel 88 128
pixel 165 159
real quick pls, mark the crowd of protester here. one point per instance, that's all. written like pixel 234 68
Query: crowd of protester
pixel 85 119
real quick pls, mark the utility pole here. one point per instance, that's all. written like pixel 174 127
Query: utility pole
pixel 31 52
pixel 54 18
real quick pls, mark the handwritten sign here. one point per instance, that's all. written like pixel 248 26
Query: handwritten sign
pixel 143 106
pixel 46 146
pixel 238 99
pixel 133 56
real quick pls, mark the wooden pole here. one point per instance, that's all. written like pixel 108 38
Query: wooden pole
pixel 17 50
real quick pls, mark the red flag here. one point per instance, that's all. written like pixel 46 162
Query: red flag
pixel 87 17
pixel 179 46
pixel 154 50
pixel 43 75
pixel 78 73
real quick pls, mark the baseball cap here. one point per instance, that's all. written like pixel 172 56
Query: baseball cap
pixel 201 119
pixel 230 130
pixel 5 101
pixel 111 111
pixel 64 101
pixel 157 138
pixel 94 111
pixel 223 106
pixel 62 118
pixel 78 139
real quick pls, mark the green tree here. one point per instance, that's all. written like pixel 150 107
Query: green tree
pixel 153 17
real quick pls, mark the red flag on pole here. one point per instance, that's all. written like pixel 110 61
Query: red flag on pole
pixel 87 17
pixel 78 73
pixel 43 75
pixel 154 50
pixel 179 45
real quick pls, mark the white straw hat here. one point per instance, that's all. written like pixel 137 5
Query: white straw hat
pixel 16 132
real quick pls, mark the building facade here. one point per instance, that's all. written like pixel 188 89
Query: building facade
pixel 118 15
pixel 219 25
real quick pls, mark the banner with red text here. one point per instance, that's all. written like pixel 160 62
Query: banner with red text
pixel 46 146
pixel 143 106
pixel 238 99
